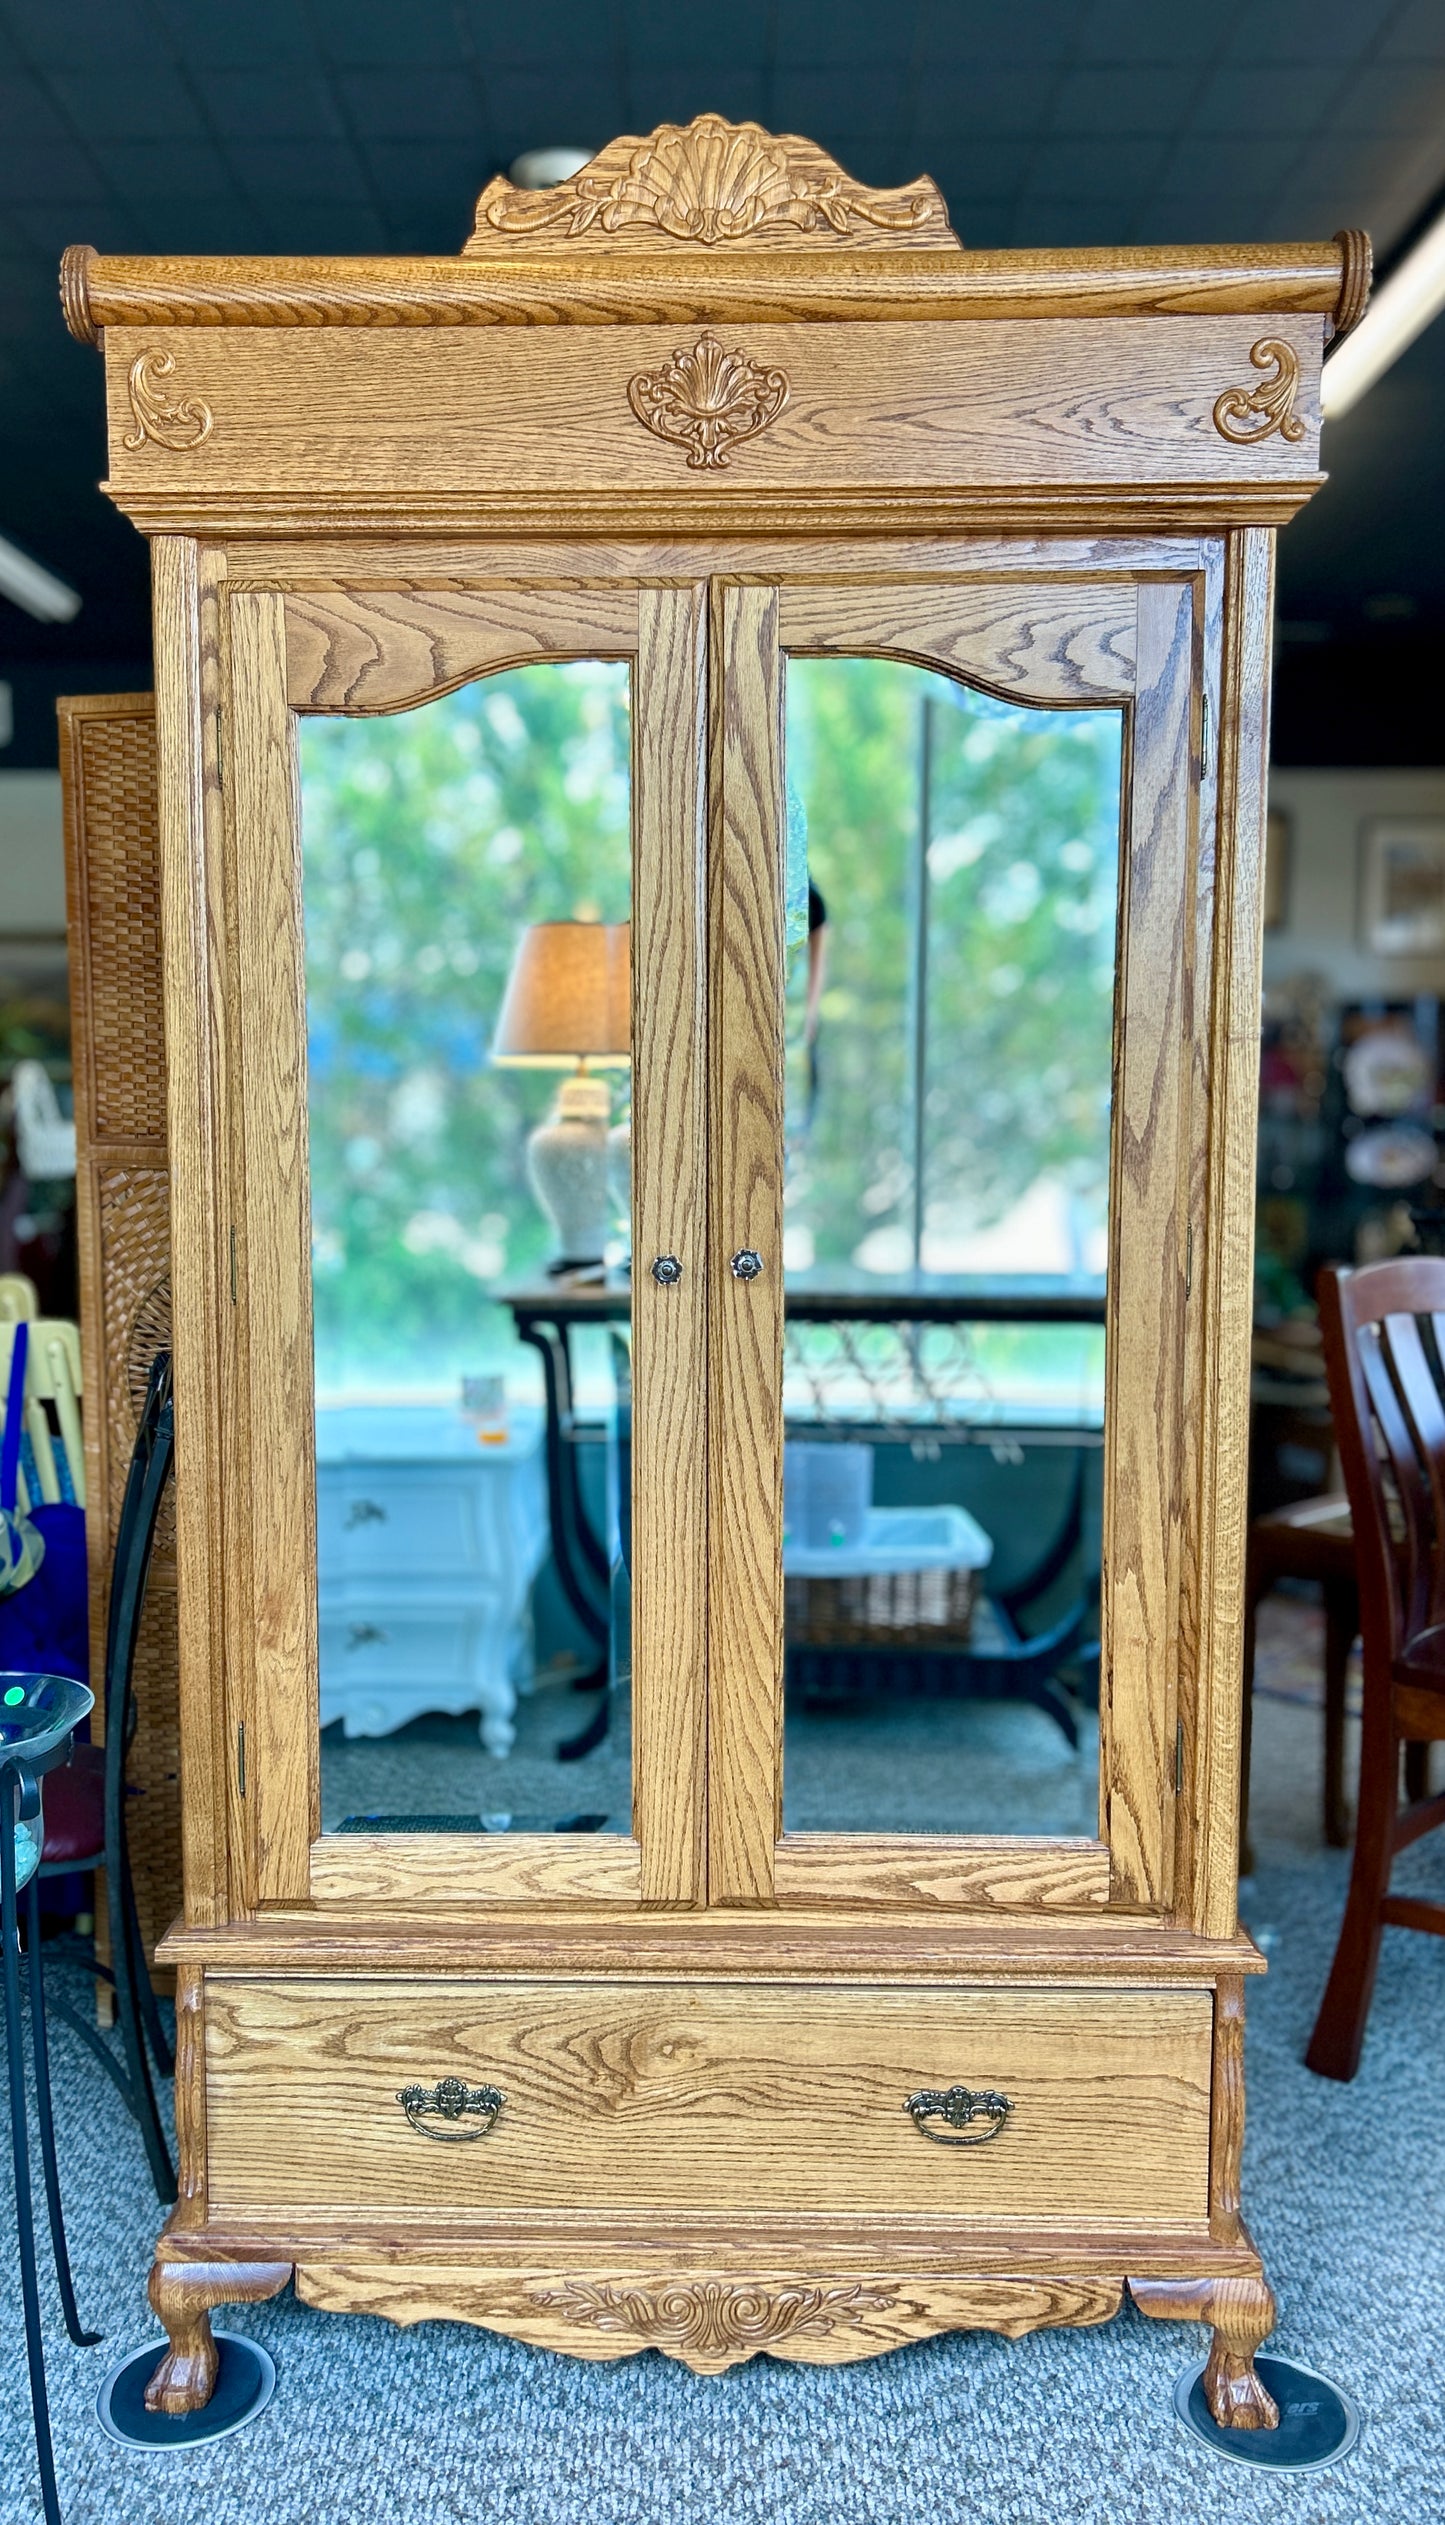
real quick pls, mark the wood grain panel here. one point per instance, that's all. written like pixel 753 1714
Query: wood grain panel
pixel 478 412
pixel 708 2321
pixel 684 2097
pixel 914 1870
pixel 1148 1231
pixel 745 1344
pixel 1227 1258
pixel 333 562
pixel 185 587
pixel 1048 643
pixel 462 1870
pixel 669 1216
pixel 274 1257
pixel 359 650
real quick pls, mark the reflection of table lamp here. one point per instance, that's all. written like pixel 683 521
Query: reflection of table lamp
pixel 569 1001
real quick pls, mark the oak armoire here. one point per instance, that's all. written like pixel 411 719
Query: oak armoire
pixel 712 2081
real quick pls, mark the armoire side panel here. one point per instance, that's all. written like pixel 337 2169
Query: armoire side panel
pixel 108 784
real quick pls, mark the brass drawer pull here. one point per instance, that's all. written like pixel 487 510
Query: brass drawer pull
pixel 958 2106
pixel 452 2098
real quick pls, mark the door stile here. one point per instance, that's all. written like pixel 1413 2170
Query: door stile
pixel 280 1781
pixel 745 1316
pixel 1148 1248
pixel 669 1197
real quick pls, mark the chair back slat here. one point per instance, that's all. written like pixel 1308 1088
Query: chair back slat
pixel 1390 1423
pixel 1417 1385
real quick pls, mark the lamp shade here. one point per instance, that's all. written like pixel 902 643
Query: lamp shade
pixel 568 997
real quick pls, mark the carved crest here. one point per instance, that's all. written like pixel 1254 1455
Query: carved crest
pixel 711 2324
pixel 1247 418
pixel 708 400
pixel 711 183
pixel 177 424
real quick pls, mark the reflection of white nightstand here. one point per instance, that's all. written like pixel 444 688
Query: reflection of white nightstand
pixel 427 1545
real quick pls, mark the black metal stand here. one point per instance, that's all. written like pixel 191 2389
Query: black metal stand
pixel 20 1803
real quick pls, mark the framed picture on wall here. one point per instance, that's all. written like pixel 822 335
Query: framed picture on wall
pixel 1402 885
pixel 1277 837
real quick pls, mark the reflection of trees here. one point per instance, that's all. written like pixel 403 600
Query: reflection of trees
pixel 430 840
pixel 1022 883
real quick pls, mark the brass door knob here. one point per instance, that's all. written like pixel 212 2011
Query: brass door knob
pixel 746 1265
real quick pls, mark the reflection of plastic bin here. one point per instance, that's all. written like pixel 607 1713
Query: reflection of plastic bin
pixel 827 1494
pixel 910 1582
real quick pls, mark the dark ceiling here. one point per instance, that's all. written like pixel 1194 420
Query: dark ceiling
pixel 365 126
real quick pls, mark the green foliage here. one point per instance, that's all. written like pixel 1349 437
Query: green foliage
pixel 430 841
pixel 1023 879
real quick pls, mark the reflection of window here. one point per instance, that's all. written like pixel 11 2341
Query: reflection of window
pixel 431 840
pixel 967 849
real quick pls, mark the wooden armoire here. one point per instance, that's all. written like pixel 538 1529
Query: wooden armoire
pixel 708 407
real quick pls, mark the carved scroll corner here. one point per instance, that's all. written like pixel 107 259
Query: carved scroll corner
pixel 1357 266
pixel 177 422
pixel 708 400
pixel 1246 416
pixel 711 183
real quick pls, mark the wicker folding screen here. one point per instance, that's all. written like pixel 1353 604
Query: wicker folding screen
pixel 108 779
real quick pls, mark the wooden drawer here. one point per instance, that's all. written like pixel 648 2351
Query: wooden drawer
pixel 711 2098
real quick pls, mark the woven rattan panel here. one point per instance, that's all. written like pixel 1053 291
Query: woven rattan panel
pixel 108 769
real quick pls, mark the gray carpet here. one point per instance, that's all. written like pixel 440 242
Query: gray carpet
pixel 373 2426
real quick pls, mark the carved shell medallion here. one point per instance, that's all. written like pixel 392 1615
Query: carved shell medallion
pixel 159 417
pixel 1246 418
pixel 708 400
pixel 714 2323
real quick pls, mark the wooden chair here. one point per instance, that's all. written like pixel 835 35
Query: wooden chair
pixel 1390 1420
pixel 1310 1538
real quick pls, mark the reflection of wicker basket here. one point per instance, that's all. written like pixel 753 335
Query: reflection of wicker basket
pixel 896 1608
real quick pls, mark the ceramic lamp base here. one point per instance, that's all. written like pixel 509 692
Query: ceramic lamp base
pixel 567 1163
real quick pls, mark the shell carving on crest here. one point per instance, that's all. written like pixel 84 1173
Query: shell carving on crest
pixel 711 183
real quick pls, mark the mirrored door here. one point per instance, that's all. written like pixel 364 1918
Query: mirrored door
pixel 965 1319
pixel 494 1407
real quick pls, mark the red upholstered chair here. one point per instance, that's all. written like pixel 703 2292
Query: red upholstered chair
pixel 1389 1416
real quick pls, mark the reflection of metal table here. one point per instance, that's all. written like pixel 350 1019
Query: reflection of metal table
pixel 547 1315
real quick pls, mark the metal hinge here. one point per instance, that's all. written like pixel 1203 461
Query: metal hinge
pixel 241 1758
pixel 1179 1759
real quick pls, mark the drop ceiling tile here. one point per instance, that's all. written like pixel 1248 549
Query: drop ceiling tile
pixel 50 171
pixel 662 92
pixel 218 37
pixel 1416 33
pixel 1304 31
pixel 410 178
pixel 731 37
pixel 28 110
pixel 328 227
pixel 1272 100
pixel 996 100
pixel 62 33
pixel 363 34
pixel 1103 170
pixel 127 101
pixel 278 102
pixel 289 171
pixel 1141 100
pixel 1392 97
pixel 1145 31
pixel 139 172
pixel 408 104
pixel 844 34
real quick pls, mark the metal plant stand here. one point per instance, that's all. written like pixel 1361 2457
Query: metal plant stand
pixel 38 1718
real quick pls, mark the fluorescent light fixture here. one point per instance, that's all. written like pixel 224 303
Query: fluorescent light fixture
pixel 1409 300
pixel 38 591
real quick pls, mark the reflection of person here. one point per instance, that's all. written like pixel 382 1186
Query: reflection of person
pixel 817 976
